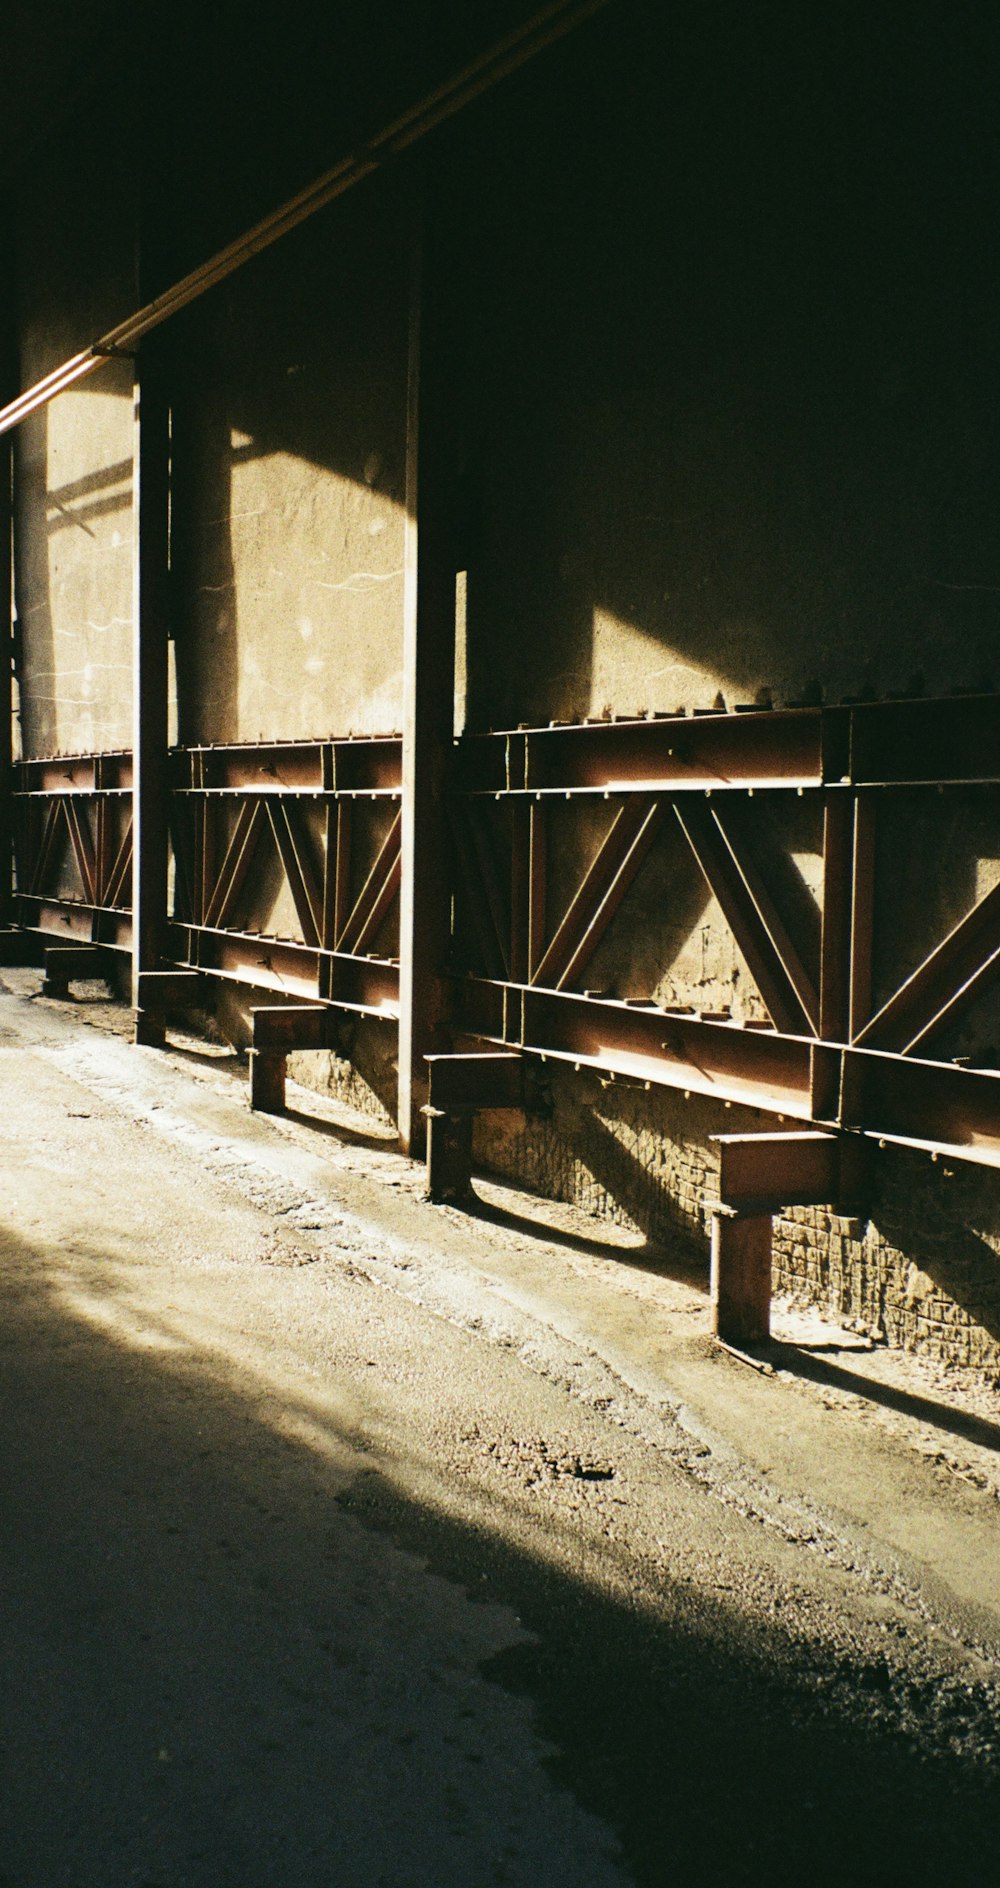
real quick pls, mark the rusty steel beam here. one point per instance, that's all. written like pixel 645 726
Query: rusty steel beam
pixel 927 1105
pixel 289 1026
pixel 599 893
pixel 68 919
pixel 66 964
pixel 337 872
pixel 763 1173
pixel 528 888
pixel 45 851
pixel 364 984
pixel 431 561
pixel 108 773
pixel 862 936
pixel 774 963
pixel 357 766
pixel 872 744
pixel 120 874
pixel 449 1154
pixel 835 938
pixel 642 1042
pixel 924 1104
pixel 961 967
pixel 675 753
pixel 916 743
pixel 476 1080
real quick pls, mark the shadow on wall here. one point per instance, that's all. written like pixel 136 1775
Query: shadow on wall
pixel 733 396
pixel 924 1272
pixel 248 1650
pixel 639 1158
pixel 289 459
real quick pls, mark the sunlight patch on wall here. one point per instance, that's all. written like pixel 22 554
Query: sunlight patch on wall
pixel 75 599
pixel 635 672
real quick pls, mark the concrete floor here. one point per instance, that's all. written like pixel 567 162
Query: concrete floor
pixel 352 1541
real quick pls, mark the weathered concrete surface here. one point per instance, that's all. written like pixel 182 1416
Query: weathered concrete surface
pixel 73 532
pixel 349 1539
pixel 289 462
pixel 730 374
pixel 74 208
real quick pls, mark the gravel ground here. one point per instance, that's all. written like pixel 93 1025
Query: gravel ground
pixel 350 1540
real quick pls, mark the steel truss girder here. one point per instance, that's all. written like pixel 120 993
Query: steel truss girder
pixel 825 1058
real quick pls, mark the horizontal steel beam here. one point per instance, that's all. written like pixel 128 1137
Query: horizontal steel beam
pixel 356 764
pixel 475 1081
pixel 928 1105
pixel 290 1026
pixel 644 1043
pixel 72 921
pixel 75 773
pixel 367 985
pixel 761 1173
pixel 672 754
pixel 954 739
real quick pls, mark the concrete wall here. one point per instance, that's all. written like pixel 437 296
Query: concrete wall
pixel 921 1271
pixel 731 373
pixel 75 236
pixel 732 410
pixel 723 319
pixel 289 452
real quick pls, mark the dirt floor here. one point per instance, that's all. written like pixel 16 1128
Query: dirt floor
pixel 350 1541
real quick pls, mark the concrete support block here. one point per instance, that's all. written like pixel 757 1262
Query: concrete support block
pixel 267 1080
pixel 449 1154
pixel 65 962
pixel 741 1276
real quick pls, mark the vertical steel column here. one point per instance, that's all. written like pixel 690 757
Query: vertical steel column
pixel 740 1285
pixel 150 577
pixel 428 678
pixel 6 679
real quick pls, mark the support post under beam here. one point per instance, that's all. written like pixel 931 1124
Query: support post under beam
pixel 150 568
pixel 428 682
pixel 6 682
pixel 741 1276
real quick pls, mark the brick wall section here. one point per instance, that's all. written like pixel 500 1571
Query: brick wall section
pixel 922 1273
pixel 639 1158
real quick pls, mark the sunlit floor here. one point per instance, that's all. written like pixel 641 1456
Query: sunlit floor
pixel 344 1545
